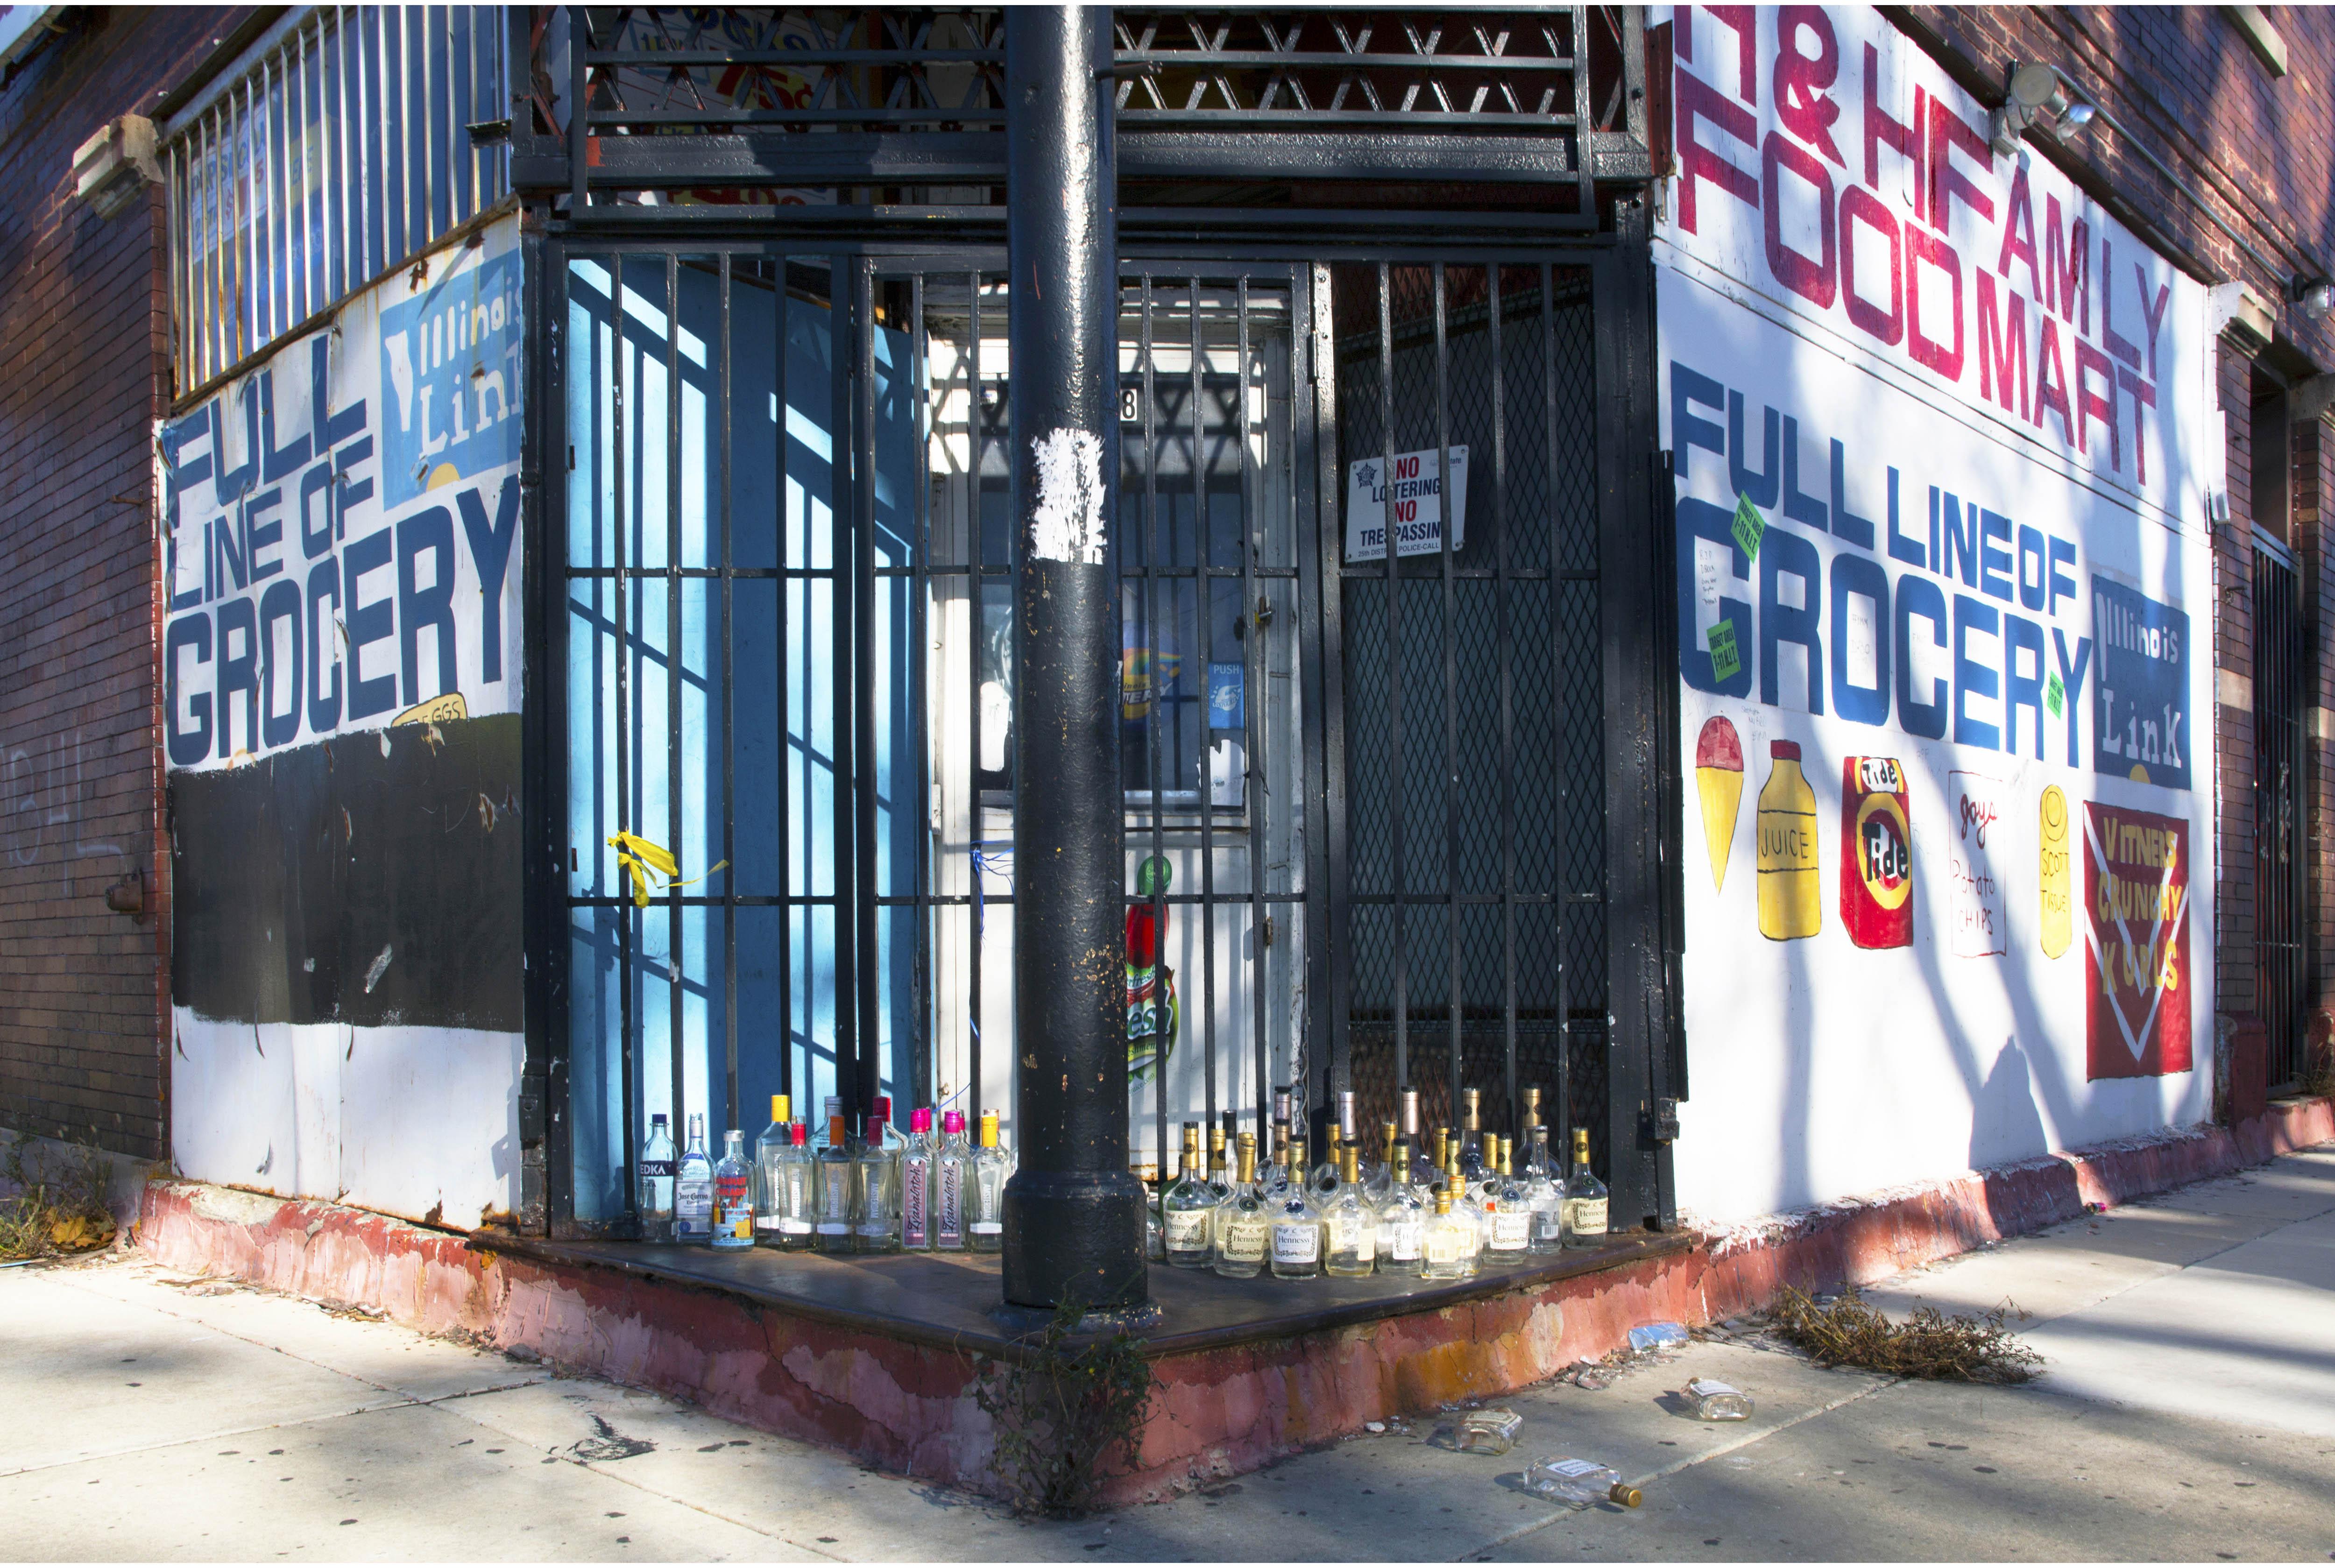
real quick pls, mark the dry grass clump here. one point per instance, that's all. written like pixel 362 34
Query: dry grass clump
pixel 55 1213
pixel 1929 1345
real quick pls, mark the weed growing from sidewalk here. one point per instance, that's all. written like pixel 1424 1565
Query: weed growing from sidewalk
pixel 54 1214
pixel 1929 1345
pixel 1067 1419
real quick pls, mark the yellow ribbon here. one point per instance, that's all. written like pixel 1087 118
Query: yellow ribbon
pixel 640 858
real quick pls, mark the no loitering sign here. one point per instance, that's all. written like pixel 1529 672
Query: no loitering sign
pixel 1415 497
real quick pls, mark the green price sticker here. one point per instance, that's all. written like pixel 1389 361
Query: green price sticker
pixel 2055 696
pixel 1750 527
pixel 1724 659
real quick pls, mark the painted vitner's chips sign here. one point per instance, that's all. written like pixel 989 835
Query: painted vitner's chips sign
pixel 1944 445
pixel 343 523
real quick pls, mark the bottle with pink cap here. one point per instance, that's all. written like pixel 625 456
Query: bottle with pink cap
pixel 916 1183
pixel 952 1185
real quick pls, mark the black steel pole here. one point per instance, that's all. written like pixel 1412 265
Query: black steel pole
pixel 1073 1212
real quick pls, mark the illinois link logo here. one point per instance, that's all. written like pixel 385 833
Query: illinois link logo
pixel 1876 859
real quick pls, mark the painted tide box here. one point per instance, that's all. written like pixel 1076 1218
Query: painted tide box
pixel 1944 442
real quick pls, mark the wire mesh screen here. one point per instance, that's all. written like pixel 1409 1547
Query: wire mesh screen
pixel 2282 954
pixel 1471 670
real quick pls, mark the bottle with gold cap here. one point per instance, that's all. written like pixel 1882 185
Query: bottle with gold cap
pixel 1582 1483
pixel 1220 1176
pixel 1465 1207
pixel 1322 1180
pixel 1297 1226
pixel 1472 1152
pixel 770 1152
pixel 1187 1207
pixel 985 1224
pixel 1243 1226
pixel 1448 1246
pixel 1350 1224
pixel 1402 1218
pixel 1585 1198
pixel 1378 1181
pixel 1511 1227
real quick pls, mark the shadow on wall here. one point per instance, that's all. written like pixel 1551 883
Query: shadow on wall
pixel 2005 1125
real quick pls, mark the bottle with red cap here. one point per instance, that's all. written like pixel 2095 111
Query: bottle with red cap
pixel 875 1212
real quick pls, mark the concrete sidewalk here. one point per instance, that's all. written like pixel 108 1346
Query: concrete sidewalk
pixel 2188 1411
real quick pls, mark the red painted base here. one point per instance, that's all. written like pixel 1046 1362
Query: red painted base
pixel 1216 1413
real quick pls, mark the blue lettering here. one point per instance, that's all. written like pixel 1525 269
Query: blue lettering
pixel 1800 508
pixel 191 743
pixel 280 603
pixel 1920 596
pixel 1698 521
pixel 368 624
pixel 1972 678
pixel 237 673
pixel 2019 633
pixel 1686 432
pixel 324 713
pixel 432 529
pixel 491 547
pixel 1783 555
pixel 1993 565
pixel 1846 523
pixel 1854 576
pixel 1760 485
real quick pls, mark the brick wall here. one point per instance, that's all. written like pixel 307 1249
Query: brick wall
pixel 83 372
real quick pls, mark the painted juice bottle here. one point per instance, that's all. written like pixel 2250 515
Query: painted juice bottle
pixel 1791 892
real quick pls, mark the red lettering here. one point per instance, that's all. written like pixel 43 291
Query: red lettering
pixel 2018 235
pixel 2153 314
pixel 2143 396
pixel 1858 204
pixel 2052 380
pixel 1801 101
pixel 1879 127
pixel 2121 347
pixel 2102 404
pixel 1810 276
pixel 1948 131
pixel 2001 344
pixel 1698 162
pixel 1927 351
pixel 2067 278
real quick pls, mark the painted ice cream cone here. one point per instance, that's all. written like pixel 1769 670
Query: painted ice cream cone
pixel 1719 775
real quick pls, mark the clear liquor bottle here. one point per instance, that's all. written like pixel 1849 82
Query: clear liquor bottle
pixel 1187 1207
pixel 1512 1220
pixel 1446 1247
pixel 1487 1186
pixel 953 1184
pixel 1378 1180
pixel 833 1109
pixel 832 1184
pixel 1296 1226
pixel 692 1189
pixel 985 1222
pixel 733 1195
pixel 1155 1234
pixel 1220 1179
pixel 654 1176
pixel 1349 1226
pixel 1243 1226
pixel 1473 1156
pixel 1275 1176
pixel 1584 1197
pixel 1323 1179
pixel 916 1183
pixel 770 1156
pixel 794 1192
pixel 875 1212
pixel 1465 1207
pixel 1543 1197
pixel 1402 1218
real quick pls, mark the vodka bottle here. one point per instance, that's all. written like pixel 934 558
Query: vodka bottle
pixel 654 1174
pixel 692 1189
pixel 1402 1219
pixel 1543 1197
pixel 1296 1226
pixel 916 1183
pixel 875 1208
pixel 770 1151
pixel 1585 1198
pixel 986 1223
pixel 1241 1226
pixel 831 1195
pixel 1448 1243
pixel 1350 1224
pixel 1187 1207
pixel 1512 1221
pixel 953 1183
pixel 733 1194
pixel 795 1191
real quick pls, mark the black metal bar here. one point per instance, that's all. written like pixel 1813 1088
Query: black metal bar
pixel 729 856
pixel 1250 624
pixel 864 782
pixel 843 706
pixel 1560 775
pixel 1073 1210
pixel 975 592
pixel 1451 788
pixel 676 992
pixel 924 1071
pixel 1151 563
pixel 627 918
pixel 1321 608
pixel 784 545
pixel 1586 172
pixel 1204 607
pixel 579 93
pixel 1503 652
pixel 1394 686
pixel 547 1127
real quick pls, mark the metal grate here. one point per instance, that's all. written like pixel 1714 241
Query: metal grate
pixel 344 151
pixel 2281 900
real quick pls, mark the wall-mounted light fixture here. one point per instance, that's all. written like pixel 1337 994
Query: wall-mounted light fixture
pixel 2036 95
pixel 2314 296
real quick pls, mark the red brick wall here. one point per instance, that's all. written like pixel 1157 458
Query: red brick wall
pixel 83 372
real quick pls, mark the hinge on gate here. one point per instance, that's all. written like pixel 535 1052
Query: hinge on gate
pixel 1268 931
pixel 1664 1121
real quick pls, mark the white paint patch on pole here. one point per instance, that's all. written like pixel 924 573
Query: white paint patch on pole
pixel 1068 524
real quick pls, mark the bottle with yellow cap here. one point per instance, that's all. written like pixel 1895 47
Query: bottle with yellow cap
pixel 986 1227
pixel 770 1152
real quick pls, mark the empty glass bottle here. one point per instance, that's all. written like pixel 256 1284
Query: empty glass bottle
pixel 1323 1179
pixel 1465 1207
pixel 1378 1180
pixel 1543 1197
pixel 1718 1401
pixel 733 1195
pixel 1349 1226
pixel 1584 1197
pixel 1580 1483
pixel 769 1156
pixel 793 1192
pixel 1511 1231
pixel 1474 1157
pixel 916 1183
pixel 1297 1226
pixel 1403 1213
pixel 654 1172
pixel 875 1216
pixel 692 1189
pixel 985 1222
pixel 1220 1178
pixel 1448 1243
pixel 953 1184
pixel 1489 1431
pixel 831 1231
pixel 1241 1226
pixel 1187 1207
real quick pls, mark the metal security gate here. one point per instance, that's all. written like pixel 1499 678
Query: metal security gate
pixel 2282 892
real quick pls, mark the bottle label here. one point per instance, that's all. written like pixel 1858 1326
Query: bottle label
pixel 1446 1245
pixel 694 1200
pixel 1575 1466
pixel 913 1175
pixel 1244 1242
pixel 794 1227
pixel 952 1215
pixel 730 1199
pixel 1351 1235
pixel 1402 1240
pixel 833 1228
pixel 1300 1242
pixel 1510 1230
pixel 655 1167
pixel 1187 1229
pixel 987 1227
pixel 1547 1223
pixel 1586 1216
